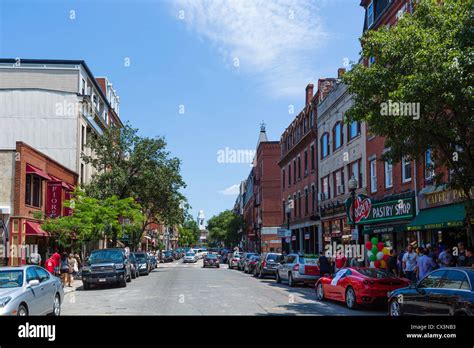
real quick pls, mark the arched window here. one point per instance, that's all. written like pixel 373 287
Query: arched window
pixel 337 136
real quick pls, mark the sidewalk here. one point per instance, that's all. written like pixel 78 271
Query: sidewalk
pixel 75 284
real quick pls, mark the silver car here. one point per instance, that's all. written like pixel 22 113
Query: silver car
pixel 297 268
pixel 29 290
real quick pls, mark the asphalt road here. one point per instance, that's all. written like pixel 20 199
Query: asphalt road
pixel 188 289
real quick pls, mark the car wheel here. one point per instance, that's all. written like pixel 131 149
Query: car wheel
pixel 134 275
pixel 129 278
pixel 57 306
pixel 320 292
pixel 278 279
pixel 350 298
pixel 291 282
pixel 22 311
pixel 86 286
pixel 395 308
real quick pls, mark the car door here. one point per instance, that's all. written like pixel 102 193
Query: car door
pixel 290 262
pixel 34 294
pixel 334 287
pixel 444 298
pixel 416 301
pixel 48 289
pixel 282 266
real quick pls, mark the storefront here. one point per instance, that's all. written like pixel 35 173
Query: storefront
pixel 443 217
pixel 385 219
pixel 335 226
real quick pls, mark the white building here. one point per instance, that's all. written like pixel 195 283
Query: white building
pixel 55 106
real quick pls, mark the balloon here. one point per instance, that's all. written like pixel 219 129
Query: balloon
pixel 385 258
pixel 373 257
pixel 377 264
pixel 383 264
pixel 372 265
pixel 386 251
pixel 374 240
pixel 380 246
pixel 380 255
pixel 369 253
pixel 375 250
pixel 368 245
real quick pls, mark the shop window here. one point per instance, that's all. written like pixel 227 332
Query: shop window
pixel 33 190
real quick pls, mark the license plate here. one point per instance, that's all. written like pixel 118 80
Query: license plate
pixel 102 280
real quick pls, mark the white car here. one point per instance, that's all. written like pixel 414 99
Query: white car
pixel 190 258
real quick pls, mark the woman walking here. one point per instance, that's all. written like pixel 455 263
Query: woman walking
pixel 65 276
pixel 73 269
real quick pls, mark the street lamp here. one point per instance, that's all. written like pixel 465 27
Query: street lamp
pixel 353 185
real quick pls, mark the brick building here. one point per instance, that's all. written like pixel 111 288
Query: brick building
pixel 299 174
pixel 36 186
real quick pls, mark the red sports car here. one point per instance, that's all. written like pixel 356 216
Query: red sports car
pixel 358 285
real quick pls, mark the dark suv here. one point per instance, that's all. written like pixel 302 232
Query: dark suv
pixel 144 266
pixel 105 266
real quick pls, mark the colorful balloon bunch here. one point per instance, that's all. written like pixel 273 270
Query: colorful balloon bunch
pixel 377 253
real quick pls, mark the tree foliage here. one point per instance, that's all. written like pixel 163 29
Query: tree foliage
pixel 189 233
pixel 426 58
pixel 225 227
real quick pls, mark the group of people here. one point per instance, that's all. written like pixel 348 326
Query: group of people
pixel 64 265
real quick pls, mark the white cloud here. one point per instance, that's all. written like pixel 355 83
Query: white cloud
pixel 230 191
pixel 274 40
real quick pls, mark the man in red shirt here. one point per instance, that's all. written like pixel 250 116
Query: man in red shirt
pixel 341 261
pixel 50 265
pixel 57 261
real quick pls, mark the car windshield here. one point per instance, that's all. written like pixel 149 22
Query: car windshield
pixel 106 256
pixel 190 254
pixel 273 257
pixel 212 256
pixel 250 255
pixel 140 257
pixel 375 273
pixel 167 253
pixel 11 279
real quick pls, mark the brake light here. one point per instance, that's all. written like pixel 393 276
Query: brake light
pixel 296 267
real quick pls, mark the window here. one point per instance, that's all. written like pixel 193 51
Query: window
pixel 299 205
pixel 294 171
pixel 373 176
pixel 406 170
pixel 83 137
pixel 283 179
pixel 305 125
pixel 306 201
pixel 313 197
pixel 353 130
pixel 354 171
pixel 312 157
pixel 299 167
pixel 311 120
pixel 429 165
pixel 31 274
pixel 337 136
pixel 325 145
pixel 33 190
pixel 305 162
pixel 339 182
pixel 388 174
pixel 82 173
pixel 370 14
pixel 283 209
pixel 453 280
pixel 289 175
pixel 83 89
pixel 42 274
pixel 325 187
pixel 295 205
pixel 433 280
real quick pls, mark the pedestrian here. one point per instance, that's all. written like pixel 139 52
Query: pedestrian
pixel 73 268
pixel 425 264
pixel 57 263
pixel 392 263
pixel 469 258
pixel 409 263
pixel 79 261
pixel 50 265
pixel 64 269
pixel 445 258
pixel 35 258
pixel 400 263
pixel 461 255
pixel 324 265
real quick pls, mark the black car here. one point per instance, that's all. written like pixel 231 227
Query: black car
pixel 168 256
pixel 134 266
pixel 143 262
pixel 244 259
pixel 211 260
pixel 105 266
pixel 267 264
pixel 445 291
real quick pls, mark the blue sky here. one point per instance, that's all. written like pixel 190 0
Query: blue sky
pixel 230 63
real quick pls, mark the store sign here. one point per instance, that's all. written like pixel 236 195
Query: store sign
pixel 306 236
pixel 440 198
pixel 54 199
pixel 283 233
pixel 366 211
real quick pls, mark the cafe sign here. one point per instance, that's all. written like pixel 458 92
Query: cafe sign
pixel 367 211
pixel 444 197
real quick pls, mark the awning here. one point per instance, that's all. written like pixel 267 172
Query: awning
pixel 34 229
pixel 33 170
pixel 441 217
pixel 63 184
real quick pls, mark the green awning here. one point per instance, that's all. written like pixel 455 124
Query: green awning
pixel 441 217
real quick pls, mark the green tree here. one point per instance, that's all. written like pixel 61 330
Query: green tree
pixel 224 228
pixel 129 165
pixel 426 58
pixel 189 233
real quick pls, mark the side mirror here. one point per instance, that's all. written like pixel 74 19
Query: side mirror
pixel 33 282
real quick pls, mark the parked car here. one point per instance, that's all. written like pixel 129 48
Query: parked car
pixel 445 291
pixel 267 265
pixel 153 262
pixel 168 256
pixel 105 266
pixel 297 268
pixel 245 258
pixel 211 260
pixel 134 266
pixel 358 286
pixel 190 258
pixel 234 260
pixel 143 261
pixel 251 264
pixel 29 290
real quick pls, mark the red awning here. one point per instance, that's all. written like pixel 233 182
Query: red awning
pixel 34 229
pixel 63 184
pixel 33 170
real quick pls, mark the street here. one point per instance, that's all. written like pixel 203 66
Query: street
pixel 188 289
